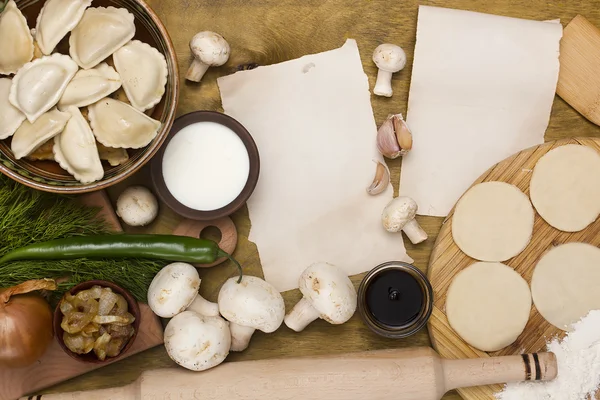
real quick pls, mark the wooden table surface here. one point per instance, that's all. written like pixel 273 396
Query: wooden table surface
pixel 271 31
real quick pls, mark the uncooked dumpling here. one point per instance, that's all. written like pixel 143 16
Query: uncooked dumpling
pixel 117 124
pixel 39 85
pixel 57 18
pixel 100 33
pixel 89 86
pixel 10 117
pixel 565 187
pixel 493 221
pixel 75 149
pixel 565 283
pixel 30 136
pixel 16 43
pixel 143 70
pixel 488 305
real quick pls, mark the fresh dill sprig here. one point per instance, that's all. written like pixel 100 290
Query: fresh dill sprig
pixel 28 216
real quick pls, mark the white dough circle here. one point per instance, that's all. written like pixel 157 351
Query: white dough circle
pixel 488 305
pixel 493 221
pixel 565 283
pixel 565 187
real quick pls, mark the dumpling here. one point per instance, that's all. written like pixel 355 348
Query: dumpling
pixel 143 70
pixel 16 43
pixel 113 155
pixel 90 85
pixel 117 124
pixel 10 117
pixel 75 149
pixel 30 136
pixel 100 33
pixel 57 18
pixel 39 85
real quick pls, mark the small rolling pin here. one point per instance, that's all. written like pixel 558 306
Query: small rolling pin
pixel 399 374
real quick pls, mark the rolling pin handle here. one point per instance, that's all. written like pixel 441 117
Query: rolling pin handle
pixel 487 371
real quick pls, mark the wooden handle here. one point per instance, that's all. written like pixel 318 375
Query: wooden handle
pixel 399 374
pixel 487 371
pixel 229 235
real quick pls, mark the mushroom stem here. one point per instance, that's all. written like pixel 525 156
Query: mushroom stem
pixel 383 85
pixel 240 336
pixel 301 315
pixel 204 307
pixel 196 71
pixel 414 232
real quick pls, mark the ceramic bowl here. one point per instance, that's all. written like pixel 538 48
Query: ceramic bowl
pixel 47 175
pixel 133 308
pixel 159 182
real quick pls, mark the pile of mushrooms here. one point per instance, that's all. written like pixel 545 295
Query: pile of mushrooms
pixel 201 333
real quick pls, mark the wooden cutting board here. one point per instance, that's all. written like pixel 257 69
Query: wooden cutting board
pixel 56 366
pixel 447 260
pixel 579 80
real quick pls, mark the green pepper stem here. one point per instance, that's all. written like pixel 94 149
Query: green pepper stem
pixel 222 253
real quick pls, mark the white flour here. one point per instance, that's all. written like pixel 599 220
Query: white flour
pixel 578 356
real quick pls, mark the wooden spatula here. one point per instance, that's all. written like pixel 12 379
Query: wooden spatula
pixel 579 77
pixel 399 374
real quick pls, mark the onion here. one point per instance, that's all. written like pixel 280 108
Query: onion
pixel 25 323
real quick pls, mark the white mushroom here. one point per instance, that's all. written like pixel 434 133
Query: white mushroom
pixel 196 341
pixel 328 294
pixel 249 305
pixel 175 289
pixel 399 215
pixel 389 58
pixel 210 50
pixel 137 206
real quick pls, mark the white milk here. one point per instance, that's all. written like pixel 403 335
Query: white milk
pixel 205 166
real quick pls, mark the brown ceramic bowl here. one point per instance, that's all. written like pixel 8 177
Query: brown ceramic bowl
pixel 134 309
pixel 47 175
pixel 159 182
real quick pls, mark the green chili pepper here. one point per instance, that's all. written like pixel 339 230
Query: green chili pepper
pixel 160 247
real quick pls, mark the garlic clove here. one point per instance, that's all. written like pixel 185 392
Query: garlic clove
pixel 403 134
pixel 387 144
pixel 380 181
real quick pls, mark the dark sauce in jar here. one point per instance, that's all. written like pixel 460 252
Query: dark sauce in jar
pixel 394 298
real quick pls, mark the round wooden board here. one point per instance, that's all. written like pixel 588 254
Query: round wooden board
pixel 447 260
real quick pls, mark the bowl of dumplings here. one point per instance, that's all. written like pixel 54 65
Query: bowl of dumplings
pixel 88 91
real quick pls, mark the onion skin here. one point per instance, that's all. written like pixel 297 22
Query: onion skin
pixel 25 327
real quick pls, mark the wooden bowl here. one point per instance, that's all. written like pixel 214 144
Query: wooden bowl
pixel 47 175
pixel 158 179
pixel 133 307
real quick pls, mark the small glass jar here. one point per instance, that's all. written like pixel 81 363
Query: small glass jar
pixel 395 299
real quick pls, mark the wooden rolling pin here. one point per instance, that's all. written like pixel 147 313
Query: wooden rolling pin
pixel 399 374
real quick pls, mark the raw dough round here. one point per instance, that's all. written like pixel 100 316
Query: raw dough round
pixel 488 305
pixel 565 187
pixel 493 221
pixel 565 283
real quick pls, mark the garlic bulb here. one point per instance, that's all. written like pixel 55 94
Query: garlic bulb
pixel 380 181
pixel 394 139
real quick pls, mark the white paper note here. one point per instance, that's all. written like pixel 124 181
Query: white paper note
pixel 482 89
pixel 313 124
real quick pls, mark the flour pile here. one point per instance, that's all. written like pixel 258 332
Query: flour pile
pixel 578 356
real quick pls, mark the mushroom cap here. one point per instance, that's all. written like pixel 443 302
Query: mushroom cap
pixel 137 206
pixel 253 303
pixel 389 57
pixel 173 289
pixel 330 292
pixel 210 48
pixel 197 342
pixel 398 213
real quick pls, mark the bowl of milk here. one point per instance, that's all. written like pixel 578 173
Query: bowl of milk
pixel 208 166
